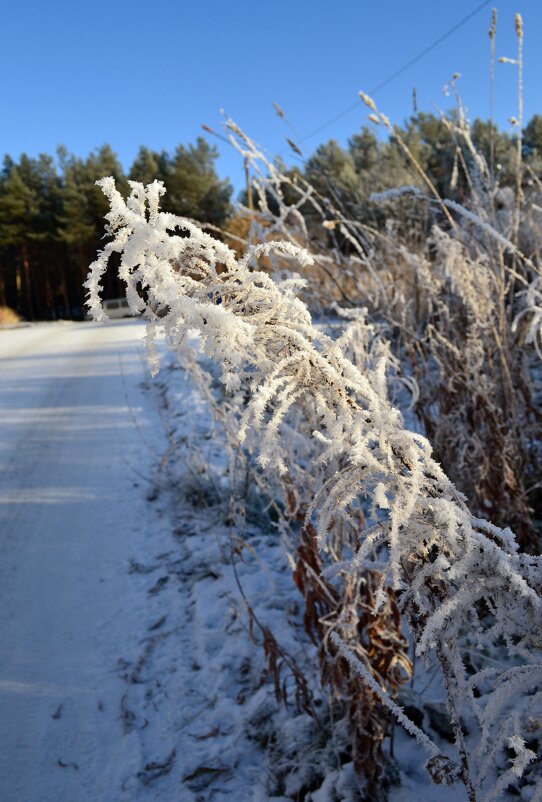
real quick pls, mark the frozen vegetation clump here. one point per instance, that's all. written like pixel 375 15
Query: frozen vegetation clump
pixel 449 568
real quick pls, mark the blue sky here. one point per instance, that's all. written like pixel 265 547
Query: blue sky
pixel 131 73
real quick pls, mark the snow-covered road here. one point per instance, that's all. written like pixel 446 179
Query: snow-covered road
pixel 78 439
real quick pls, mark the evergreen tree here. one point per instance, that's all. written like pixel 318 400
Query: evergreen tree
pixel 18 215
pixel 331 162
pixel 532 147
pixel 193 186
pixel 47 251
pixel 76 225
pixel 432 143
pixel 83 210
pixel 364 150
pixel 149 166
pixel 486 135
pixel 532 136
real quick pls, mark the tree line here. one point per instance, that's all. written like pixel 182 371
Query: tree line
pixel 51 212
pixel 51 218
pixel 348 176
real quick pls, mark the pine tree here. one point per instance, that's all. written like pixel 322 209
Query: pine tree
pixel 42 176
pixel 532 136
pixel 76 225
pixel 149 166
pixel 18 215
pixel 194 188
pixel 83 210
pixel 332 166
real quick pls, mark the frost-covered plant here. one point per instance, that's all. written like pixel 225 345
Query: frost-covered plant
pixel 289 208
pixel 529 319
pixel 476 394
pixel 448 290
pixel 342 605
pixel 449 566
pixel 475 375
pixel 347 611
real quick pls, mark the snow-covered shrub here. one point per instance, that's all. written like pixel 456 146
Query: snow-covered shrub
pixel 450 567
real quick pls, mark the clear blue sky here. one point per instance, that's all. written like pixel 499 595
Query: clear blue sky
pixel 129 73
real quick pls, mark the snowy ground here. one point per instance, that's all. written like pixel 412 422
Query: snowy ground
pixel 77 442
pixel 117 679
pixel 126 668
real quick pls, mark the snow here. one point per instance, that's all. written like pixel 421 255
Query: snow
pixel 127 669
pixel 75 449
pixel 263 340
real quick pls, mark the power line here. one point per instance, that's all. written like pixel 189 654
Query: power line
pixel 401 70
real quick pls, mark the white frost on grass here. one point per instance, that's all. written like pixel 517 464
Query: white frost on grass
pixel 444 560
